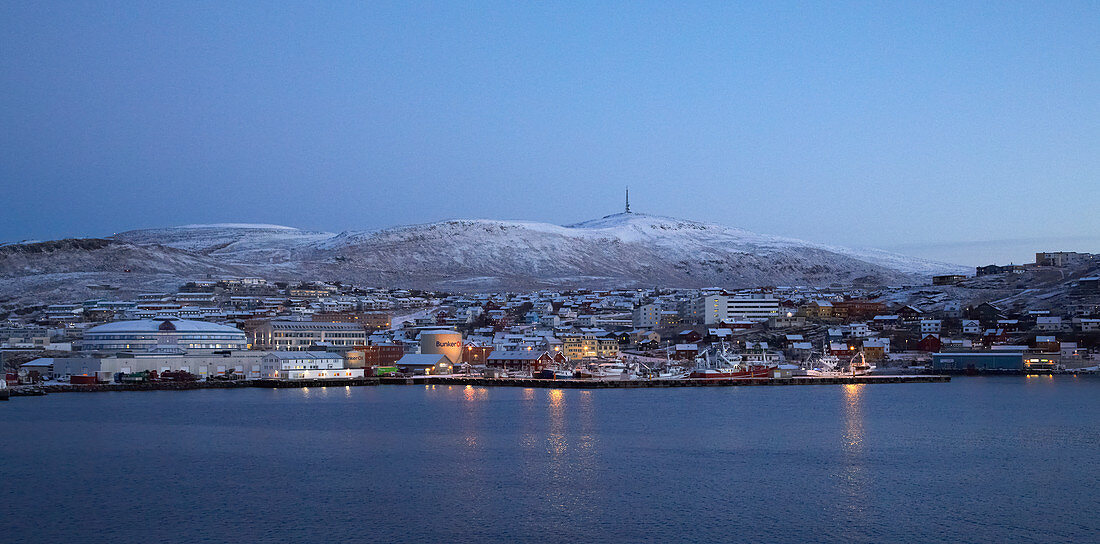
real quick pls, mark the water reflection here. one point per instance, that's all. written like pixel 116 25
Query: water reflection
pixel 853 418
pixel 587 444
pixel 853 478
pixel 475 394
pixel 473 400
pixel 530 421
pixel 556 437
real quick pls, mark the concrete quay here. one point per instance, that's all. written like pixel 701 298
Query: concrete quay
pixel 38 390
pixel 611 384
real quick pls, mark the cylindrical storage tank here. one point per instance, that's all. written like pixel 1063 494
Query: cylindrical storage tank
pixel 448 343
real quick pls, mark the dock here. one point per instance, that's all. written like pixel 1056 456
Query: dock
pixel 611 384
pixel 37 390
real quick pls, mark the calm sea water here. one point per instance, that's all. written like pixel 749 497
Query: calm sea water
pixel 975 460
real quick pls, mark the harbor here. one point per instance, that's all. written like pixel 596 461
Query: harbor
pixel 50 388
pixel 621 384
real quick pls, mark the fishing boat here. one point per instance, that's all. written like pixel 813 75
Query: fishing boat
pixel 718 363
pixel 609 370
pixel 821 365
pixel 860 367
pixel 732 373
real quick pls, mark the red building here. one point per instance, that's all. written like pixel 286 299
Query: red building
pixel 371 321
pixel 476 355
pixel 858 309
pixel 520 360
pixel 377 354
pixel 930 343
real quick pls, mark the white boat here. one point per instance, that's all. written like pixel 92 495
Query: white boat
pixel 674 373
pixel 615 370
pixel 821 366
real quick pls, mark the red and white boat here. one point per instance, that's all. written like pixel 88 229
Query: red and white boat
pixel 717 363
pixel 733 373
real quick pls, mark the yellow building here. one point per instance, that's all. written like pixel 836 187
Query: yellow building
pixel 586 346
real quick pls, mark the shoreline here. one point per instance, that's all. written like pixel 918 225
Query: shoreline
pixel 39 390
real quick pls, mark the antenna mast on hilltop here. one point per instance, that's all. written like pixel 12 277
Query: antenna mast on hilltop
pixel 627 199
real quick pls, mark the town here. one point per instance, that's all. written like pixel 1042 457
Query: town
pixel 225 329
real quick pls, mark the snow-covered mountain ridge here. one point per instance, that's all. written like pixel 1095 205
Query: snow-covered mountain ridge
pixel 620 250
pixel 527 248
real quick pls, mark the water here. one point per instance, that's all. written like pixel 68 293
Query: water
pixel 976 460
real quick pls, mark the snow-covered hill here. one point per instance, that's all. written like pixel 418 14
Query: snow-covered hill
pixel 63 270
pixel 235 242
pixel 621 250
pixel 617 250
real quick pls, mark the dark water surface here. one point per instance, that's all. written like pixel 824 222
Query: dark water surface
pixel 976 460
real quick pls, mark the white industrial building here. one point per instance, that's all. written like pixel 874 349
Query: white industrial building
pixel 713 309
pixel 161 333
pixel 307 365
pixel 202 365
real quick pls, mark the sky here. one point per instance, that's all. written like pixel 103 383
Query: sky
pixel 962 131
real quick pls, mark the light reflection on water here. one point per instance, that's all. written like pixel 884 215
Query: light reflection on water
pixel 573 466
pixel 529 440
pixel 473 399
pixel 556 437
pixel 853 481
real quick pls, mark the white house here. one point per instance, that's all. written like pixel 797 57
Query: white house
pixel 971 326
pixel 930 326
pixel 859 330
pixel 1049 323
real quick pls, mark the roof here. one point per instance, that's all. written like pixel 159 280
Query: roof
pixel 978 354
pixel 421 359
pixel 315 325
pixel 305 355
pixel 41 361
pixel 516 355
pixel 154 325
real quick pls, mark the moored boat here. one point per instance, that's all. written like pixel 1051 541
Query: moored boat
pixel 732 373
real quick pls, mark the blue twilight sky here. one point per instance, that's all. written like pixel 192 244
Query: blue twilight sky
pixel 923 127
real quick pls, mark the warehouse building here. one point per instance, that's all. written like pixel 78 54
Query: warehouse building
pixel 245 364
pixel 425 363
pixel 1004 361
pixel 307 365
pixel 526 360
